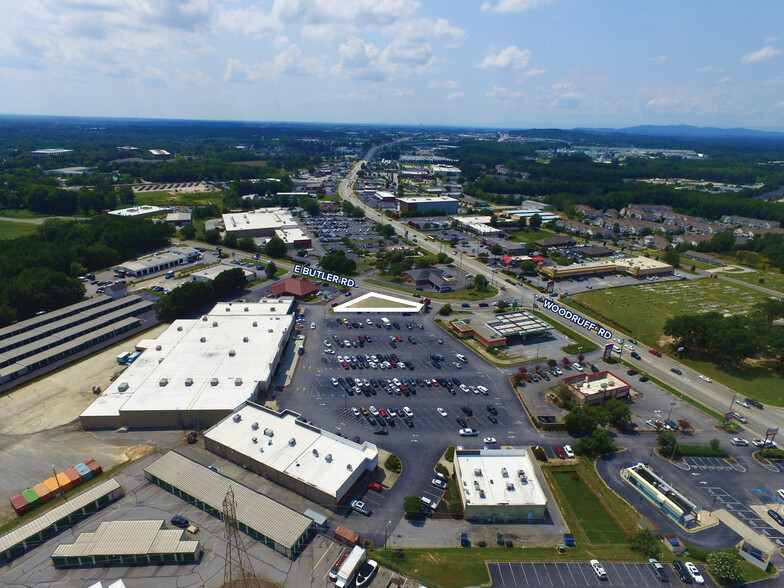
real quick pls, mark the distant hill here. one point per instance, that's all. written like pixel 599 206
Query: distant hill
pixel 687 131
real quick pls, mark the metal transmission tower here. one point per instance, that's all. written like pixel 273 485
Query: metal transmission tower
pixel 238 572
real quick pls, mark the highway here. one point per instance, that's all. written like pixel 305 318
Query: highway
pixel 712 395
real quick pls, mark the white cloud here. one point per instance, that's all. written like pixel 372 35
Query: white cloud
pixel 764 54
pixel 709 69
pixel 673 105
pixel 399 59
pixel 447 84
pixel 723 80
pixel 534 72
pixel 775 82
pixel 288 61
pixel 659 59
pixel 455 95
pixel 513 5
pixel 510 58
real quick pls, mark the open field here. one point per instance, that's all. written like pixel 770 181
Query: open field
pixel 580 343
pixel 767 279
pixel 12 230
pixel 642 310
pixel 166 198
pixel 529 236
pixel 24 213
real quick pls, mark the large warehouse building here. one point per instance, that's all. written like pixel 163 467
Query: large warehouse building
pixel 258 223
pixel 274 524
pixel 500 486
pixel 441 204
pixel 316 464
pixel 198 371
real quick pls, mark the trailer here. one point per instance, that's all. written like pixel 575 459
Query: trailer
pixel 121 359
pixel 349 568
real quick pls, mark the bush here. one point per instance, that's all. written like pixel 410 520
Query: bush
pixel 453 495
pixel 445 310
pixel 696 552
pixel 645 543
pixel 441 469
pixel 450 453
pixel 772 453
pixel 393 463
pixel 725 565
pixel 411 505
pixel 539 453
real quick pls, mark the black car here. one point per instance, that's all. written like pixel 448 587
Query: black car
pixel 643 379
pixel 191 437
pixel 467 411
pixel 179 521
pixel 492 418
pixel 682 572
pixel 461 421
pixel 635 355
pixel 633 342
pixel 676 371
pixel 397 326
pixel 755 403
pixel 455 381
pixel 492 409
pixel 594 369
pixel 408 421
pixel 776 517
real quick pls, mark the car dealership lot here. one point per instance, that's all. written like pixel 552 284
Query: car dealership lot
pixel 575 574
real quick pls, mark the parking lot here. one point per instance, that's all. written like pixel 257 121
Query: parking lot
pixel 712 464
pixel 741 510
pixel 578 575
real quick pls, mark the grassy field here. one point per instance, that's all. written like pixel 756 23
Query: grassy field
pixel 463 295
pixel 12 230
pixel 642 310
pixel 529 236
pixel 584 344
pixel 165 198
pixel 771 280
pixel 13 213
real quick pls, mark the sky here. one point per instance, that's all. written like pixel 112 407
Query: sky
pixel 500 63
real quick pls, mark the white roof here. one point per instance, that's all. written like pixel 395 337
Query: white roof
pixel 138 211
pixel 210 273
pixel 483 481
pixel 318 458
pixel 236 366
pixel 261 219
pixel 476 218
pixel 292 235
pixel 419 199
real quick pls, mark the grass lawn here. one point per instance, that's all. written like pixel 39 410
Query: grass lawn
pixel 586 345
pixel 767 279
pixel 13 213
pixel 463 295
pixel 753 381
pixel 165 198
pixel 642 310
pixel 12 230
pixel 529 236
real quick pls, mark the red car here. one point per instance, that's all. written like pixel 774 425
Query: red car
pixel 345 365
pixel 383 412
pixel 399 338
pixel 559 451
pixel 334 304
pixel 375 486
pixel 656 352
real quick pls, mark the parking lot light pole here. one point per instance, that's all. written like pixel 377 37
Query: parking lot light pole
pixel 669 414
pixel 386 528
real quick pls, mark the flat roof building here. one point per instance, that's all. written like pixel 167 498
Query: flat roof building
pixel 210 273
pixel 637 267
pixel 596 388
pixel 124 543
pixel 258 223
pixel 500 485
pixel 198 370
pixel 444 204
pixel 319 465
pixel 139 211
pixel 294 238
pixel 266 520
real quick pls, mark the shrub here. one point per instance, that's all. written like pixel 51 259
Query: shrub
pixel 539 453
pixel 393 463
pixel 772 453
pixel 441 469
pixel 450 453
pixel 644 542
pixel 411 505
pixel 725 565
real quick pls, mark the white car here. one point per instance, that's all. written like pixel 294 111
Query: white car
pixel 629 347
pixel 483 390
pixel 568 451
pixel 334 381
pixel 408 412
pixel 313 326
pixel 441 411
pixel 694 573
pixel 438 483
pixel 489 440
pixel 706 378
pixel 577 366
pixel 598 569
pixel 368 321
pixel 356 412
pixel 392 413
pixel 340 359
pixel 739 442
pixel 327 343
pixel 329 351
pixel 742 403
pixel 464 388
pixel 457 365
pixel 373 410
pixel 366 572
pixel 467 432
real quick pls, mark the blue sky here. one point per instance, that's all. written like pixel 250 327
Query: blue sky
pixel 508 63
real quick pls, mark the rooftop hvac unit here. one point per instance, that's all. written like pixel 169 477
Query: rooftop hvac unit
pixel 269 432
pixel 504 473
pixel 255 440
pixel 238 381
pixel 123 386
pixel 261 450
pixel 227 309
pixel 179 328
pixel 270 331
pixel 214 324
pixel 246 309
pixel 328 458
pixel 315 452
pixel 214 382
pixel 232 353
pixel 292 442
pixel 189 381
pixel 509 486
pixel 350 467
pixel 272 309
pixel 245 339
pixel 158 348
pixel 203 339
pixel 163 381
pixel 237 417
pixel 255 324
pixel 481 494
pixel 476 485
pixel 477 471
pixel 255 426
pixel 160 359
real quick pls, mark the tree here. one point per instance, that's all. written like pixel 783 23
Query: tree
pixel 270 270
pixel 445 310
pixel 230 240
pixel 275 247
pixel 666 442
pixel 672 257
pixel 580 358
pixel 496 249
pixel 310 205
pixel 535 222
pixel 481 282
pixel 247 244
pixel 581 419
pixel 212 236
pixel 386 230
pixel 551 363
pixel 187 231
pixel 644 542
pixel 228 282
pixel 501 305
pixel 521 222
pixel 618 413
pixel 714 444
pixel 598 442
pixel 77 269
pixel 725 565
pixel 443 258
pixel 493 220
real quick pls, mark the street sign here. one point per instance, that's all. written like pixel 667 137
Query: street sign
pixel 771 431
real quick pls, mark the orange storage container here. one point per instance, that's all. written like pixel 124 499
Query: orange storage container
pixel 43 491
pixel 65 482
pixel 74 476
pixel 53 486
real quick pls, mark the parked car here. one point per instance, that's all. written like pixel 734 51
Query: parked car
pixel 360 507
pixel 179 521
pixel 577 366
pixel 694 573
pixel 657 569
pixel 776 517
pixel 559 451
pixel 366 573
pixel 489 440
pixel 438 483
pixel 427 502
pixel 568 451
pixel 492 409
pixel 467 411
pixel 739 442
pixel 760 443
pixel 598 569
pixel 375 486
pixel 441 411
pixel 681 571
pixel 468 432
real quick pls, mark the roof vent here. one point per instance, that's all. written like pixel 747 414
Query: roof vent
pixel 246 309
pixel 509 486
pixel 255 440
pixel 238 381
pixel 228 309
pixel 158 348
pixel 232 353
pixel 315 452
pixel 269 432
pixel 237 417
pixel 481 494
pixel 255 426
pixel 477 471
pixel 189 381
pixel 214 382
pixel 123 386
pixel 244 339
pixel 179 328
pixel 292 442
pixel 255 324
pixel 504 473
pixel 272 308
pixel 261 450
pixel 163 381
pixel 214 324
pixel 270 331
pixel 204 318
pixel 350 467
pixel 160 359
pixel 328 457
pixel 203 339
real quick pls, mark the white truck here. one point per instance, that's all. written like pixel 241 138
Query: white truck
pixel 349 568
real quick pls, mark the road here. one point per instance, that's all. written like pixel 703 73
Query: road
pixel 713 395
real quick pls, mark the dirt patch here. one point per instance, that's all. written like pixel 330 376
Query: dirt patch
pixel 255 583
pixel 665 341
pixel 138 451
